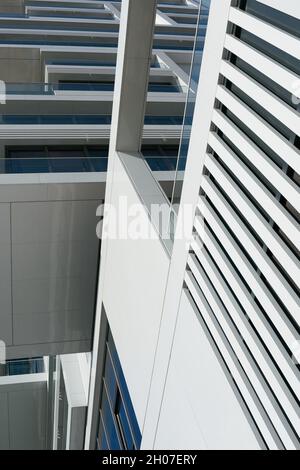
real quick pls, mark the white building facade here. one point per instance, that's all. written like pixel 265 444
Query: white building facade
pixel 179 330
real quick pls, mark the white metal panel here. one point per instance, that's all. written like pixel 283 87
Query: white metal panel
pixel 252 278
pixel 274 276
pixel 238 374
pixel 288 116
pixel 275 244
pixel 258 317
pixel 267 367
pixel 275 36
pixel 290 7
pixel 267 333
pixel 263 130
pixel 263 196
pixel 285 149
pixel 192 394
pixel 134 313
pixel 266 65
pixel 23 423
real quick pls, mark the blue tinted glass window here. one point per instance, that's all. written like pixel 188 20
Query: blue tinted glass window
pixel 117 420
pixel 124 425
pixel 123 388
pixel 67 159
pixel 109 422
pixel 25 366
pixel 110 380
pixel 102 442
pixel 54 159
pixel 273 16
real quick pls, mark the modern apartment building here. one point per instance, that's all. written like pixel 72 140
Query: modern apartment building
pixel 149 224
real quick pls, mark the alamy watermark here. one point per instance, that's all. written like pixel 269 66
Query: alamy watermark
pixel 123 221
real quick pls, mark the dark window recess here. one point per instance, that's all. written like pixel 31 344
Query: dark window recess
pixel 271 51
pixel 275 17
pixel 161 157
pixel 238 152
pixel 62 159
pixel 75 119
pixel 33 365
pixel 269 118
pixel 103 85
pixel 265 81
pixel 58 42
pixel 259 143
pixel 118 428
pixel 54 159
pixel 231 204
pixel 108 85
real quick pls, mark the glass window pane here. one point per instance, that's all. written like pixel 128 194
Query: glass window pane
pixel 110 423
